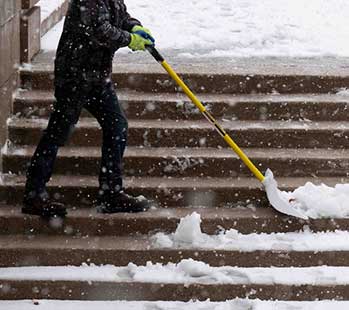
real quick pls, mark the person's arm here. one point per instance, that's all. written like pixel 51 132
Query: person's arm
pixel 96 20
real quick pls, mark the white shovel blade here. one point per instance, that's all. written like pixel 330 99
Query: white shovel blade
pixel 278 199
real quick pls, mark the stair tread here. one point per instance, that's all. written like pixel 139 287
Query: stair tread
pixel 62 250
pixel 131 243
pixel 161 213
pixel 201 124
pixel 103 286
pixel 88 222
pixel 170 152
pixel 279 66
pixel 177 182
pixel 45 95
pixel 124 243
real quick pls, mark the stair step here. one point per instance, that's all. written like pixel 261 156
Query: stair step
pixel 202 78
pixel 51 250
pixel 85 222
pixel 190 162
pixel 169 133
pixel 38 103
pixel 160 283
pixel 89 290
pixel 82 190
pixel 192 305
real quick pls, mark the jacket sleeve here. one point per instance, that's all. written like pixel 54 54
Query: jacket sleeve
pixel 128 21
pixel 96 21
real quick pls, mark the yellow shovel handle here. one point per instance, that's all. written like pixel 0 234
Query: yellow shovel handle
pixel 208 115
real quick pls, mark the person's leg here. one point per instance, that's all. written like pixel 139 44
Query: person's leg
pixel 108 112
pixel 61 123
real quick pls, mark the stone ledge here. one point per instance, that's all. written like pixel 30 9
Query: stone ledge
pixel 54 18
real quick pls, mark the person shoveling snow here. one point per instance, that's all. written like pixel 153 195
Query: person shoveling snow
pixel 93 31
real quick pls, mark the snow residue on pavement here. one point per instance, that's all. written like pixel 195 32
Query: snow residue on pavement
pixel 235 28
pixel 189 235
pixel 49 6
pixel 237 304
pixel 186 272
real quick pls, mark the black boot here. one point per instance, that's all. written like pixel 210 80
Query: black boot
pixel 122 202
pixel 41 205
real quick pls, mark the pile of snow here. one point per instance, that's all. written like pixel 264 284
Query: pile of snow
pixel 189 230
pixel 189 235
pixel 186 272
pixel 343 92
pixel 321 201
pixel 313 201
pixel 246 28
pixel 237 304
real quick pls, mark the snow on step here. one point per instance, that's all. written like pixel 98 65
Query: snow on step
pixel 189 235
pixel 186 272
pixel 237 304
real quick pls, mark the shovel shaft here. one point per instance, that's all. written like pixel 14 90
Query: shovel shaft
pixel 207 114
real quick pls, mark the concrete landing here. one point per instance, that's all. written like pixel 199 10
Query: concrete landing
pixel 317 66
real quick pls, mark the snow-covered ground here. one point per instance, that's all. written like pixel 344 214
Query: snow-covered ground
pixel 242 27
pixel 238 304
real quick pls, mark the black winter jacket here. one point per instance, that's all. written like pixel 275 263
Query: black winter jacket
pixel 93 31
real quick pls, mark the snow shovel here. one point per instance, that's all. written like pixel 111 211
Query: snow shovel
pixel 277 198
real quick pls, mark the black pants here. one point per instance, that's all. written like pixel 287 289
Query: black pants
pixel 102 103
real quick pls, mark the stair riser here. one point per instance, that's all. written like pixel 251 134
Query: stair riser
pixel 76 257
pixel 65 290
pixel 216 83
pixel 166 197
pixel 124 225
pixel 188 167
pixel 238 110
pixel 198 137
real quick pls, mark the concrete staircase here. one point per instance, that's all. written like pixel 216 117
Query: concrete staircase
pixel 294 124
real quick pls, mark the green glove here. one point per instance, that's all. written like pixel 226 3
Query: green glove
pixel 138 43
pixel 143 32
